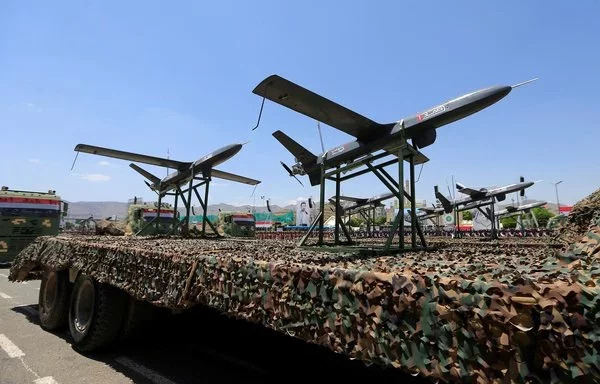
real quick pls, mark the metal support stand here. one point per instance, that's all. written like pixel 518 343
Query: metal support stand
pixel 404 153
pixel 368 221
pixel 179 193
pixel 493 220
pixel 491 216
pixel 537 225
pixel 336 232
pixel 401 200
pixel 310 229
pixel 321 215
pixel 457 232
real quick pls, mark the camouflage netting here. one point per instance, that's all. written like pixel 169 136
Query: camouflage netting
pixel 105 227
pixel 580 235
pixel 481 314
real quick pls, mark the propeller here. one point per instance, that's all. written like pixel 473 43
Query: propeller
pixel 290 172
pixel 268 206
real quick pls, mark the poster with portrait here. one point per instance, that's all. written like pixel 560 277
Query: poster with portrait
pixel 303 213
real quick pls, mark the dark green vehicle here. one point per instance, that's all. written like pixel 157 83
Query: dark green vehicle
pixel 237 224
pixel 140 218
pixel 25 215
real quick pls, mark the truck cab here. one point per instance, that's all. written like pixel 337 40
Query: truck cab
pixel 237 224
pixel 140 217
pixel 25 215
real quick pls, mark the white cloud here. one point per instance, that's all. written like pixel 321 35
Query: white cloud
pixel 33 107
pixel 105 163
pixel 296 200
pixel 94 177
pixel 34 161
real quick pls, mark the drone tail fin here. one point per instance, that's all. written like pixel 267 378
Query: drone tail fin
pixel 303 155
pixel 155 180
pixel 445 202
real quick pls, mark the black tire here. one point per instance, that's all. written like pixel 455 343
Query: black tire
pixel 95 314
pixel 53 300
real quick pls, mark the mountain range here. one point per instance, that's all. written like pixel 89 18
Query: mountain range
pixel 103 209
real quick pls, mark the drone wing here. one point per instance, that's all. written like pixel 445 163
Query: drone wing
pixel 308 103
pixel 233 177
pixel 354 199
pixel 159 161
pixel 469 191
pixel 380 198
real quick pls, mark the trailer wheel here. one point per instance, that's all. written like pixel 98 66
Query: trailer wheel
pixel 53 300
pixel 95 313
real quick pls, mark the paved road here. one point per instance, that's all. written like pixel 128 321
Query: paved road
pixel 196 347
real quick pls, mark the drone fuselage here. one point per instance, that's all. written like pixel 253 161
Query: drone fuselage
pixel 420 128
pixel 203 165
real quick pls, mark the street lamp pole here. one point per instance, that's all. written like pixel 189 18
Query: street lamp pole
pixel 556 190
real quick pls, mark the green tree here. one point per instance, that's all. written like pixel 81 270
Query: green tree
pixel 467 215
pixel 355 222
pixel 542 215
pixel 380 220
pixel 509 222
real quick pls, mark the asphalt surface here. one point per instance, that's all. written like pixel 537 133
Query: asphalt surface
pixel 198 346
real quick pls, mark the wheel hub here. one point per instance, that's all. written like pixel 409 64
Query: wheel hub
pixel 84 306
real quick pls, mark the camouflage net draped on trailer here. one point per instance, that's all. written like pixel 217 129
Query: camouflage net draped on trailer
pixel 473 315
pixel 581 233
pixel 486 314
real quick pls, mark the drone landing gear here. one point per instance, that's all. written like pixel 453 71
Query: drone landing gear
pixel 404 153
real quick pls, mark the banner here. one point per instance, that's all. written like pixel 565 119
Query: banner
pixel 266 219
pixel 303 214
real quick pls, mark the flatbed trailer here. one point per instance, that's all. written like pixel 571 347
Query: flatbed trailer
pixel 487 313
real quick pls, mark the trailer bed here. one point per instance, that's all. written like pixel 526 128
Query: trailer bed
pixel 464 312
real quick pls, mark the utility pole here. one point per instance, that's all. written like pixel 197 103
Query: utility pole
pixel 556 190
pixel 168 157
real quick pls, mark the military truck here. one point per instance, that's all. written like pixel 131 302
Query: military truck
pixel 229 224
pixel 143 218
pixel 25 215
pixel 237 224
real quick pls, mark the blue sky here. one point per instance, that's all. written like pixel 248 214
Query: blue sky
pixel 155 76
